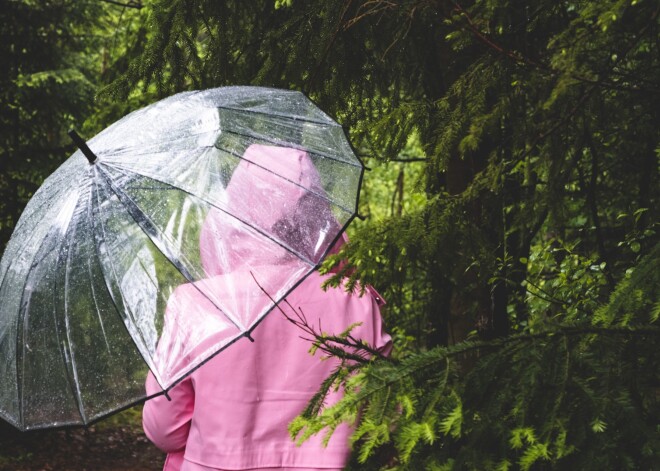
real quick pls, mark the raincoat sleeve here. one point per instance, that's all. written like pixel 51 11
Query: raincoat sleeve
pixel 167 422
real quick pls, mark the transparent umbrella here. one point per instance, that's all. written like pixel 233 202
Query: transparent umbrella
pixel 166 238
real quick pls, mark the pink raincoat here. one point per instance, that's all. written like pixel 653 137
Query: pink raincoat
pixel 233 413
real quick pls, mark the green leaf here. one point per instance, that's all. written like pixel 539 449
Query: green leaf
pixel 598 426
pixel 533 453
pixel 521 435
pixel 655 312
pixel 451 424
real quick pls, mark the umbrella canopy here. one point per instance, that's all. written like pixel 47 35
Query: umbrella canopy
pixel 212 204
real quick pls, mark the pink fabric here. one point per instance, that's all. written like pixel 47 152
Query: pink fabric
pixel 271 187
pixel 233 413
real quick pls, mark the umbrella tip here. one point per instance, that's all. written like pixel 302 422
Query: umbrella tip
pixel 82 145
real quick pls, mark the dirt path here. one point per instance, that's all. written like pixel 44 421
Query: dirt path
pixel 117 444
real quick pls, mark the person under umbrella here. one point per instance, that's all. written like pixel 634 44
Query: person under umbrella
pixel 232 413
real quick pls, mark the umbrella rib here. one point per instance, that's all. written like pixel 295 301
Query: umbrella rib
pixel 256 229
pixel 279 143
pixel 96 304
pixel 118 152
pixel 20 323
pixel 279 115
pixel 132 209
pixel 152 232
pixel 22 312
pixel 110 293
pixel 318 194
pixel 73 382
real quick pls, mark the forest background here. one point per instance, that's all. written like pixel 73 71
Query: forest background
pixel 510 210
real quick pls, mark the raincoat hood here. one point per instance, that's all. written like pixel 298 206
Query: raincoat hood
pixel 276 190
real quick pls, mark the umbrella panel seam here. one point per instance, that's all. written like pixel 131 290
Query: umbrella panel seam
pixel 309 190
pixel 115 276
pixel 289 144
pixel 328 123
pixel 74 382
pixel 225 211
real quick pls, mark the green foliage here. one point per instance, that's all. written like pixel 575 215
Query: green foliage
pixel 635 299
pixel 550 397
pixel 53 54
pixel 520 266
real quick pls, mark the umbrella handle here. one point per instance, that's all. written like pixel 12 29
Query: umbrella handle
pixel 82 145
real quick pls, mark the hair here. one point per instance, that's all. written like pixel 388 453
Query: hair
pixel 301 229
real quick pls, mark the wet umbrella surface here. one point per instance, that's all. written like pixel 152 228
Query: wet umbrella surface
pixel 211 204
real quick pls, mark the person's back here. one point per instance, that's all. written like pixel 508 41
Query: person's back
pixel 233 412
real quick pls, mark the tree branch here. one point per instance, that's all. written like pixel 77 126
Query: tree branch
pixel 343 346
pixel 405 160
pixel 518 57
pixel 130 4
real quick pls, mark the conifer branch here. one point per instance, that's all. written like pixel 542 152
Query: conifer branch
pixel 316 70
pixel 560 122
pixel 520 58
pixel 593 207
pixel 490 43
pixel 343 346
pixel 131 4
pixel 567 331
pixel 408 160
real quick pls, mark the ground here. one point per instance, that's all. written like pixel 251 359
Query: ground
pixel 115 444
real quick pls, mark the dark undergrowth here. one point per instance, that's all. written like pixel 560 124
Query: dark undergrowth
pixel 117 443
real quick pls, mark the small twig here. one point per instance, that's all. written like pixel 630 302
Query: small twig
pixel 332 345
pixel 551 299
pixel 404 160
pixel 369 8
